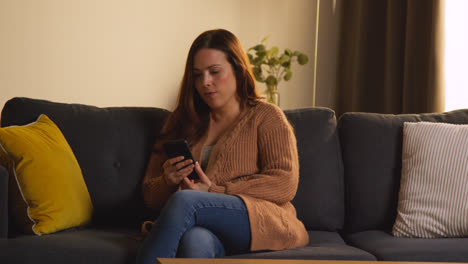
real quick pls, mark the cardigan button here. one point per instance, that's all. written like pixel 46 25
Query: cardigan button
pixel 117 164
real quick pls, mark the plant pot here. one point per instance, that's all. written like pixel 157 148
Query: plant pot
pixel 273 96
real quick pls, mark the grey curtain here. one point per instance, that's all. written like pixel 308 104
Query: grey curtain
pixel 391 56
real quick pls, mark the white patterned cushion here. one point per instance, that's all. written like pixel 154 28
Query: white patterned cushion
pixel 433 198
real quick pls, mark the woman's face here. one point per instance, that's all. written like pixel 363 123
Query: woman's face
pixel 214 79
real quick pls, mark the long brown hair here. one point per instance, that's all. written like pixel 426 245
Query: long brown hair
pixel 191 116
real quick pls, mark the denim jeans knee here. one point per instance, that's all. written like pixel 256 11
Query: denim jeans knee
pixel 225 216
pixel 199 242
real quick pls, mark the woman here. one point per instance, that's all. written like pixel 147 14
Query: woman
pixel 249 165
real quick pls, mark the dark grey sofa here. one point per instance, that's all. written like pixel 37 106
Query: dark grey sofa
pixel 347 195
pixel 371 147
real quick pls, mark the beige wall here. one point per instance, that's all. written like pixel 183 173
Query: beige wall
pixel 132 53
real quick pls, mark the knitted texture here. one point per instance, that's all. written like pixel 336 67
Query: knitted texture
pixel 257 161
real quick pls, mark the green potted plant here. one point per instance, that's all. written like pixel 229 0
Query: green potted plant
pixel 271 67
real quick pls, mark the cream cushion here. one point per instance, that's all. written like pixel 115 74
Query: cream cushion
pixel 433 197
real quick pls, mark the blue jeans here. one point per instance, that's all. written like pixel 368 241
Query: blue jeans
pixel 198 225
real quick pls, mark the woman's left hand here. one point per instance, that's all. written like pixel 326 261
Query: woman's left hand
pixel 203 184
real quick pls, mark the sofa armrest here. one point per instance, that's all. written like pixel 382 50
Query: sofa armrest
pixel 3 203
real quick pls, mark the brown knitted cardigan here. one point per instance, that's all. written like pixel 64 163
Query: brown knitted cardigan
pixel 257 161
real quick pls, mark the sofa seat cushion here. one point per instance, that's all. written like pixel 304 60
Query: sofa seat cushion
pixel 75 246
pixel 389 248
pixel 322 245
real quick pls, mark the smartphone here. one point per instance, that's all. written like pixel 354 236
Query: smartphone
pixel 175 148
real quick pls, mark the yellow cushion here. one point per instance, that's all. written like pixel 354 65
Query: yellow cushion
pixel 47 192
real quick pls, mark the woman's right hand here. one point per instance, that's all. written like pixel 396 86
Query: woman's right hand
pixel 172 172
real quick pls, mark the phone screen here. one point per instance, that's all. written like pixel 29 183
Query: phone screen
pixel 175 148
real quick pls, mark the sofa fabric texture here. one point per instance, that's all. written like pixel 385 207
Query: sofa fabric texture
pixel 100 245
pixel 321 169
pixel 386 247
pixel 347 196
pixel 322 245
pixel 3 203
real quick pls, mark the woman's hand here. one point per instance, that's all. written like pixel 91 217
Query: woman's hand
pixel 146 227
pixel 203 184
pixel 173 173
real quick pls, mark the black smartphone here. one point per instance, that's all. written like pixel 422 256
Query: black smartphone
pixel 175 148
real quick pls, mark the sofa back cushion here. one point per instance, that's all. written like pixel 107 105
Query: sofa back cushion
pixel 320 197
pixel 371 146
pixel 112 146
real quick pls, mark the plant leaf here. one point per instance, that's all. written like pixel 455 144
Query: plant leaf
pixel 259 47
pixel 271 80
pixel 302 59
pixel 273 52
pixel 259 60
pixel 273 62
pixel 284 58
pixel 288 75
pixel 257 71
pixel 262 54
pixel 250 57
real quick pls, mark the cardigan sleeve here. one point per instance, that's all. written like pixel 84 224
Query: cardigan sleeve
pixel 278 177
pixel 155 190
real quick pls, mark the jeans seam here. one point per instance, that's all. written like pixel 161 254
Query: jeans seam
pixel 200 206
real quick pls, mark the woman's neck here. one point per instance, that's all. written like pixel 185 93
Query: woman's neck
pixel 225 114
